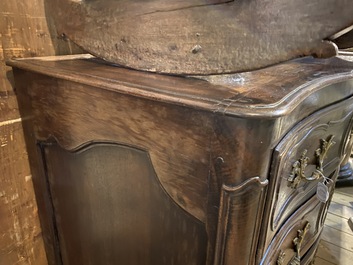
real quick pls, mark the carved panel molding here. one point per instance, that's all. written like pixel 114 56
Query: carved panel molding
pixel 230 248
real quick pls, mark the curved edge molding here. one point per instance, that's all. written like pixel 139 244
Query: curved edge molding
pixel 191 198
pixel 245 183
pixel 240 209
pixel 83 147
pixel 312 211
pixel 284 152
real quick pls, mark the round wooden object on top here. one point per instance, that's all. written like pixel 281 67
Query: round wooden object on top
pixel 201 37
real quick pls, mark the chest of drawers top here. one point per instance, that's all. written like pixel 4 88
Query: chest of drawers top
pixel 267 93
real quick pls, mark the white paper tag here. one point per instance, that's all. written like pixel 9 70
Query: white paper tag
pixel 322 192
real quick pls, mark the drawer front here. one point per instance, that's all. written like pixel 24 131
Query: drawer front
pixel 297 235
pixel 309 153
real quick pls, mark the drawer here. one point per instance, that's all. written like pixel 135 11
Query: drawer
pixel 313 148
pixel 297 236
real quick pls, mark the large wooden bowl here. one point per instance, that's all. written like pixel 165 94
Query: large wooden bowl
pixel 201 36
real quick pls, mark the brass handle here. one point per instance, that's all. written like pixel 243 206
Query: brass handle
pixel 298 168
pixel 297 242
pixel 281 257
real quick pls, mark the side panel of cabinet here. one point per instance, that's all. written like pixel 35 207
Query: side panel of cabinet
pixel 173 140
pixel 111 209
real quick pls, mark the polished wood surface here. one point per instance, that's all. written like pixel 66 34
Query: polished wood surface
pixel 256 93
pixel 201 36
pixel 307 136
pixel 213 167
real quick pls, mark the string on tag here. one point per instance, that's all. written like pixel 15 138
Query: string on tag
pixel 325 180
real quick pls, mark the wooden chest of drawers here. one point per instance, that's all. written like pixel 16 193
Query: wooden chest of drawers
pixel 139 168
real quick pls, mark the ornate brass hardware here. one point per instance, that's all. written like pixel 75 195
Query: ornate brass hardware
pixel 298 241
pixel 298 168
pixel 280 258
pixel 321 153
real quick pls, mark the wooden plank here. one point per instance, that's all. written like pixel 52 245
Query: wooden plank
pixel 24 31
pixel 345 190
pixel 8 107
pixel 341 210
pixel 20 233
pixel 338 223
pixel 334 254
pixel 338 238
pixel 336 246
pixel 320 261
pixel 343 199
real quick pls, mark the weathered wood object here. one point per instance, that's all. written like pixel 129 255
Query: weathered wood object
pixel 201 36
pixel 24 32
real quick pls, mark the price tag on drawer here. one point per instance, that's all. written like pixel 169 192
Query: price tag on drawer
pixel 322 192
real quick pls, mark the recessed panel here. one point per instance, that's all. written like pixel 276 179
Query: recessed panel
pixel 111 209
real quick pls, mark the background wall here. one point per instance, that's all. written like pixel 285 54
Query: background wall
pixel 24 32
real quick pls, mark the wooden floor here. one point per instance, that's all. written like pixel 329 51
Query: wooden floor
pixel 336 246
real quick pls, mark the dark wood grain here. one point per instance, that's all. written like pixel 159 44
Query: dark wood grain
pixel 235 224
pixel 118 213
pixel 212 163
pixel 273 91
pixel 201 37
pixel 173 143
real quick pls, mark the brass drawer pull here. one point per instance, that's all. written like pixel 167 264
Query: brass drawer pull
pixel 281 258
pixel 298 169
pixel 297 242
